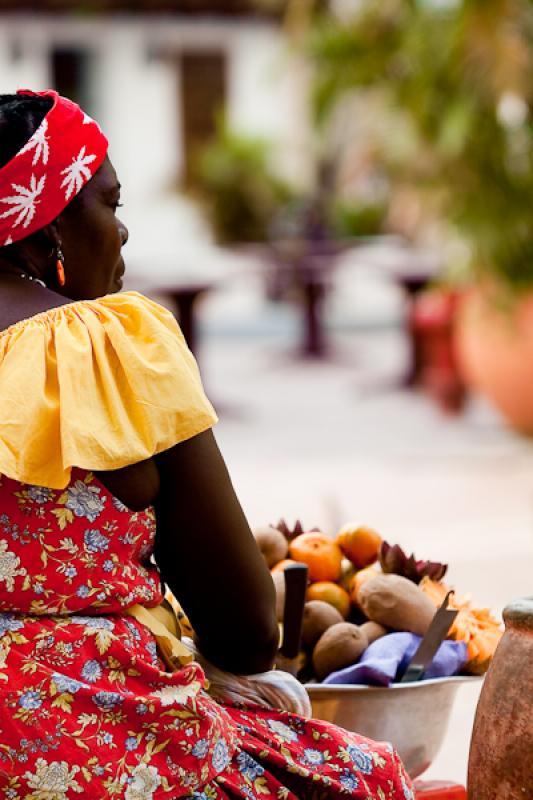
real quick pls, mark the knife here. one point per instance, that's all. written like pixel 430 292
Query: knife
pixel 293 613
pixel 435 635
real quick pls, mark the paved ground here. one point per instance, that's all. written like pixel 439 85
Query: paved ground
pixel 338 441
pixel 335 442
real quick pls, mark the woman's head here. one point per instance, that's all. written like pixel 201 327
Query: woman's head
pixel 20 116
pixel 58 194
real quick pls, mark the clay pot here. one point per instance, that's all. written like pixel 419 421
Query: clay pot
pixel 494 344
pixel 501 753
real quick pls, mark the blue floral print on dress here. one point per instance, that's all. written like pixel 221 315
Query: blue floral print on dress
pixel 119 505
pixel 133 630
pixel 30 700
pixel 349 780
pixel 131 743
pixel 361 760
pixel 91 671
pixel 282 730
pixel 95 542
pixel 221 756
pixel 8 622
pixel 313 756
pixel 107 700
pixel 84 501
pixel 249 766
pixel 94 623
pixel 39 494
pixel 200 749
pixel 151 649
pixel 93 711
pixel 66 684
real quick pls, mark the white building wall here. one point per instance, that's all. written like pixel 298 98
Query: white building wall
pixel 139 111
pixel 24 60
pixel 269 98
pixel 135 87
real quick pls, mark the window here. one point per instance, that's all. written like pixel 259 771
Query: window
pixel 70 74
pixel 203 94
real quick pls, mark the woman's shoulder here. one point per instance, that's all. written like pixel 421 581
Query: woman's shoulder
pixel 18 304
pixel 47 310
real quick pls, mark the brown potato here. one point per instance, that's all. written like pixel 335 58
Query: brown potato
pixel 318 617
pixel 396 603
pixel 272 543
pixel 338 647
pixel 373 631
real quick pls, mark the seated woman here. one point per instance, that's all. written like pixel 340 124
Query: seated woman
pixel 107 457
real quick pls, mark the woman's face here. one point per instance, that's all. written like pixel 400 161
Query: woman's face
pixel 92 238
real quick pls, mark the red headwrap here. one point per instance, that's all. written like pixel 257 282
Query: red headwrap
pixel 53 166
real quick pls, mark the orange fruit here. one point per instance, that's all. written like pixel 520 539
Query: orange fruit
pixel 331 593
pixel 358 579
pixel 320 553
pixel 359 544
pixel 280 566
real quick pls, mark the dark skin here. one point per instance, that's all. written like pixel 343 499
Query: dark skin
pixel 204 547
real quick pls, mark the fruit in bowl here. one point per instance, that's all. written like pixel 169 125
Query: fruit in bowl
pixel 322 556
pixel 344 606
pixel 364 580
pixel 331 593
pixel 359 544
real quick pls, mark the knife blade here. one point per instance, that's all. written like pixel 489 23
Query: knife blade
pixel 436 633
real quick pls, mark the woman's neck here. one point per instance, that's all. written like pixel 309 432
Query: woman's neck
pixel 10 268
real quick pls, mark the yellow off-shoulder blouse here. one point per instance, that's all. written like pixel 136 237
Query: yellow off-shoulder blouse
pixel 96 384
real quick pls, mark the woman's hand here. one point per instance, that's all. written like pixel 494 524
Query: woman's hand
pixel 208 557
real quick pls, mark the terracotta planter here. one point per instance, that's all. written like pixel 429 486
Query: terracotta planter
pixel 495 352
pixel 501 754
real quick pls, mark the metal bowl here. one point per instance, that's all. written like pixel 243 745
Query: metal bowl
pixel 412 716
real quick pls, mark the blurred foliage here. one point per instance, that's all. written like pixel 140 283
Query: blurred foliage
pixel 237 187
pixel 453 80
pixel 357 219
pixel 245 201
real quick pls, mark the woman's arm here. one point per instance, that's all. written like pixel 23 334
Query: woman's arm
pixel 209 559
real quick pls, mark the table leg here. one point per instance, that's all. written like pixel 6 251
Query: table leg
pixel 185 303
pixel 314 344
pixel 413 285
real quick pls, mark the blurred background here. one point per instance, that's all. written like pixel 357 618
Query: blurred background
pixel 335 199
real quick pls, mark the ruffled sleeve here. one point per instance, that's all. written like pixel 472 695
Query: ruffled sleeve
pixel 97 384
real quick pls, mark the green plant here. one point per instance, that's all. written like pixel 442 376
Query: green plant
pixel 357 219
pixel 237 187
pixel 450 82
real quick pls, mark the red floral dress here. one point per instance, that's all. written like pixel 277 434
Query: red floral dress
pixel 88 709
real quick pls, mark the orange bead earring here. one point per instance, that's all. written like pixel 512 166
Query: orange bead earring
pixel 60 267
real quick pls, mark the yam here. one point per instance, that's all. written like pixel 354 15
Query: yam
pixel 373 631
pixel 272 544
pixel 318 617
pixel 338 647
pixel 396 603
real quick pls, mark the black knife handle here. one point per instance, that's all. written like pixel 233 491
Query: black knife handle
pixel 293 611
